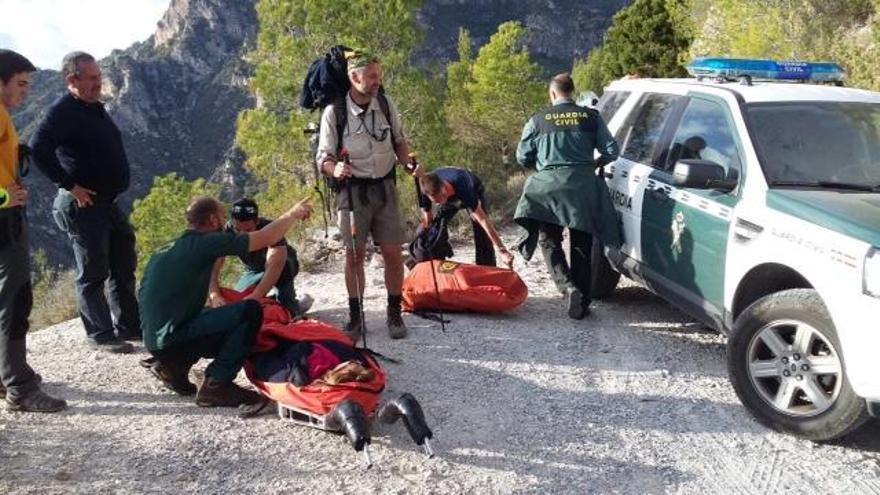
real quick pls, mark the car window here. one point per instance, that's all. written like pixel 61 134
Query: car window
pixel 704 133
pixel 641 134
pixel 818 141
pixel 610 103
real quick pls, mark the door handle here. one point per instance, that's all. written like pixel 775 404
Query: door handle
pixel 660 194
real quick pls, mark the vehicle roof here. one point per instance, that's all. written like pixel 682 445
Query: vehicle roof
pixel 759 91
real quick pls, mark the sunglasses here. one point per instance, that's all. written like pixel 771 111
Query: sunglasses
pixel 244 212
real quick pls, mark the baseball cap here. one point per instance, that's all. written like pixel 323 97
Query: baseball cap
pixel 245 209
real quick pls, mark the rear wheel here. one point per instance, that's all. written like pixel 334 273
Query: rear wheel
pixel 604 278
pixel 784 361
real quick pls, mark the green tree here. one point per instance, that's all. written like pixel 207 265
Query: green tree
pixel 491 97
pixel 159 216
pixel 649 38
pixel 644 39
pixel 589 73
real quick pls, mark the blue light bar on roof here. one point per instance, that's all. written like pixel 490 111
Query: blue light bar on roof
pixel 734 68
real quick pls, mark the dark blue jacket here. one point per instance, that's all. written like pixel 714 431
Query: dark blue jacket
pixel 78 143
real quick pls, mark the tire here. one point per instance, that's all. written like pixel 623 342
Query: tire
pixel 603 278
pixel 784 361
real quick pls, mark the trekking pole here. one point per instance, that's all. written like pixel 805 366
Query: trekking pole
pixel 412 166
pixel 352 224
pixel 311 130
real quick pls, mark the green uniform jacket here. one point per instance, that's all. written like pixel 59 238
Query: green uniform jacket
pixel 559 143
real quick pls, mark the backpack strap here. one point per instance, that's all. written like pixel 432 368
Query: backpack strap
pixel 340 112
pixel 386 111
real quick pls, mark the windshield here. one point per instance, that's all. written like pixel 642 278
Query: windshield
pixel 818 143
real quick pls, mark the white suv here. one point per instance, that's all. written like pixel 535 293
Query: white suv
pixel 755 208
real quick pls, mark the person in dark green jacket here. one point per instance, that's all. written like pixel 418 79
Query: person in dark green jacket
pixel 565 192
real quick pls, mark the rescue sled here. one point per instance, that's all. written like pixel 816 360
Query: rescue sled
pixel 349 407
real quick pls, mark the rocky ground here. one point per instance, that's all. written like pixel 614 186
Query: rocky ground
pixel 634 399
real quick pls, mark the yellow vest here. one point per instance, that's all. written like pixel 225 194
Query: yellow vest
pixel 8 149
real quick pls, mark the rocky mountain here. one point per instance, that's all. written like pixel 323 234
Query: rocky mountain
pixel 176 95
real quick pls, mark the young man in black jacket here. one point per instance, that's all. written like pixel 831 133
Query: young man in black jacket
pixel 274 266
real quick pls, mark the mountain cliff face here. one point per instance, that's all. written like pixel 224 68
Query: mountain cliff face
pixel 561 30
pixel 176 95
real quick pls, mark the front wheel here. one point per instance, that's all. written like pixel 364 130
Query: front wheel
pixel 784 361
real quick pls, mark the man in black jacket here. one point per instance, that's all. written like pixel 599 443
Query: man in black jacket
pixel 273 266
pixel 80 149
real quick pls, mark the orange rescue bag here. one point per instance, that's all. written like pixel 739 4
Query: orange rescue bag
pixel 462 287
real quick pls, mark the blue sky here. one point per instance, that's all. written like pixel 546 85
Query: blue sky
pixel 45 30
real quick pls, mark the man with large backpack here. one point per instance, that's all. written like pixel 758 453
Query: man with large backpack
pixel 361 139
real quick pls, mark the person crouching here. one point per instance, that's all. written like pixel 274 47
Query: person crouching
pixel 178 330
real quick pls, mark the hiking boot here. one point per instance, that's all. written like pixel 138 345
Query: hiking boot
pixel 355 328
pixel 396 327
pixel 577 310
pixel 36 401
pixel 174 376
pixel 213 393
pixel 114 346
pixel 37 378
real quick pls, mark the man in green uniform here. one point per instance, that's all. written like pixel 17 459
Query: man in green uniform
pixel 178 330
pixel 558 142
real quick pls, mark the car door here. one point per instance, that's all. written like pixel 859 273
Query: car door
pixel 684 230
pixel 640 137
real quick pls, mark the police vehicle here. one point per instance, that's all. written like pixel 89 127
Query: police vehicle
pixel 749 197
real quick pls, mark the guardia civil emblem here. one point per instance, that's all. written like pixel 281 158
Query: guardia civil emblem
pixel 677 228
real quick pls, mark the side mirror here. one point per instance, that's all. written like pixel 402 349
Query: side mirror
pixel 702 174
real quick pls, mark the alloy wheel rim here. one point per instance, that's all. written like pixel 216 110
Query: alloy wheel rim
pixel 794 368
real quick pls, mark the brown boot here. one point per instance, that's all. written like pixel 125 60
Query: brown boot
pixel 214 393
pixel 396 327
pixel 175 377
pixel 36 401
pixel 355 328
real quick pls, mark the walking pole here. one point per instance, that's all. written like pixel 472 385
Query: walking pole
pixel 311 130
pixel 352 223
pixel 413 165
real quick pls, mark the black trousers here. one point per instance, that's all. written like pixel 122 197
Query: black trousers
pixel 15 303
pixel 565 276
pixel 226 334
pixel 485 250
pixel 104 247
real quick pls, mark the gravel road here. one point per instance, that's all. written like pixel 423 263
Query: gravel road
pixel 634 399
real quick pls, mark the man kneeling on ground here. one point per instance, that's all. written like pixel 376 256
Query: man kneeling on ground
pixel 275 266
pixel 178 330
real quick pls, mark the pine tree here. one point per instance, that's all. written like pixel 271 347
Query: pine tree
pixel 649 38
pixel 158 217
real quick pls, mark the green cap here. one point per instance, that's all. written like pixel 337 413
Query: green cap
pixel 359 59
